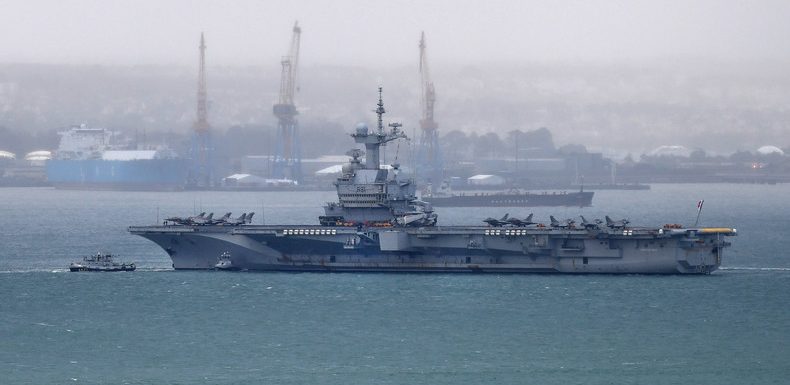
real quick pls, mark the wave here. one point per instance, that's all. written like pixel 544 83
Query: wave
pixel 66 270
pixel 755 268
pixel 33 271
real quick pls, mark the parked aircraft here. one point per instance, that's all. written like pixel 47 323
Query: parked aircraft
pixel 568 223
pixel 201 220
pixel 522 222
pixel 497 222
pixel 220 221
pixel 242 219
pixel 187 220
pixel 590 225
pixel 616 224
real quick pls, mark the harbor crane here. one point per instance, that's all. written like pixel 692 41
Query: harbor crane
pixel 201 170
pixel 287 158
pixel 430 165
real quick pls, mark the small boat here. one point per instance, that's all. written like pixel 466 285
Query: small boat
pixel 224 262
pixel 100 262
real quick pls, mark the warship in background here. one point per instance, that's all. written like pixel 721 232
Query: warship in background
pixel 444 197
pixel 100 262
pixel 614 184
pixel 88 159
pixel 379 225
pixel 618 186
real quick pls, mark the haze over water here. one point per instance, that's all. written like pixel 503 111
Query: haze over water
pixel 156 325
pixel 618 77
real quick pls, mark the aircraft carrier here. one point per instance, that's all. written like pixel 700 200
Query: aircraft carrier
pixel 379 225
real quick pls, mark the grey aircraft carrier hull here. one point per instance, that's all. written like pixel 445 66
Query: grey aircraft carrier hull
pixel 378 224
pixel 444 249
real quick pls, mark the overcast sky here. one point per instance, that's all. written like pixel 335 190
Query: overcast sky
pixel 369 33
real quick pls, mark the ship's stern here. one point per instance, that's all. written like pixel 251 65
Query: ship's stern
pixel 700 250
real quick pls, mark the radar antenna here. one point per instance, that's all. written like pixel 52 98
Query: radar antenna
pixel 380 112
pixel 374 141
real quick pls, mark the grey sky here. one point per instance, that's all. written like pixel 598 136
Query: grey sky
pixel 368 33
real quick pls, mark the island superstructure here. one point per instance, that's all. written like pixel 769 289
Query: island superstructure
pixel 378 224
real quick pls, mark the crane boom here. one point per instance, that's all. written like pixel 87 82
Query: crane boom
pixel 201 124
pixel 287 160
pixel 201 170
pixel 429 156
pixel 290 63
pixel 427 94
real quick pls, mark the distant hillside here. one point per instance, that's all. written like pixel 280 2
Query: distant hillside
pixel 614 109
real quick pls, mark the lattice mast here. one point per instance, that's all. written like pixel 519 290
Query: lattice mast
pixel 429 157
pixel 287 159
pixel 201 174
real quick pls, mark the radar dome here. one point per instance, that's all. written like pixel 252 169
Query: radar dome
pixel 39 155
pixel 767 150
pixel 671 151
pixel 362 129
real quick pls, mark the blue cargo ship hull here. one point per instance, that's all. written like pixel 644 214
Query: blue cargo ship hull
pixel 98 174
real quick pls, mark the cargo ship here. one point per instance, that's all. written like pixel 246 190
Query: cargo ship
pixel 379 225
pixel 88 159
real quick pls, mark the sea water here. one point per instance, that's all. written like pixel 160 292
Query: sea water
pixel 159 326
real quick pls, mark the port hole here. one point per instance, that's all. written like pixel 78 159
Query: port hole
pixel 585 260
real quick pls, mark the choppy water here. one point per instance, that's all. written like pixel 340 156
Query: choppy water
pixel 158 326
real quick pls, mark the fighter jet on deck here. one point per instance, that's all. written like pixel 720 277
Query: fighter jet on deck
pixel 186 221
pixel 522 222
pixel 616 224
pixel 568 223
pixel 595 224
pixel 497 222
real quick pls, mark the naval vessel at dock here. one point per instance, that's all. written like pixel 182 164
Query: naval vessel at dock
pixel 379 225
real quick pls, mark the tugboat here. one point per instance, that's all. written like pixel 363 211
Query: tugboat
pixel 224 262
pixel 100 262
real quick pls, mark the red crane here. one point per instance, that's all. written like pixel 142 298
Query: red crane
pixel 200 175
pixel 429 157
